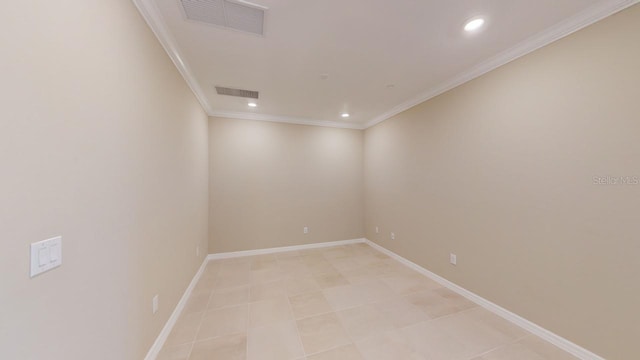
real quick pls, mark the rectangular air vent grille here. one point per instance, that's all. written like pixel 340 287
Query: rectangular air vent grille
pixel 237 15
pixel 237 92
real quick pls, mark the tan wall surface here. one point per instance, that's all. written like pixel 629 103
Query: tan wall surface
pixel 500 171
pixel 102 142
pixel 269 180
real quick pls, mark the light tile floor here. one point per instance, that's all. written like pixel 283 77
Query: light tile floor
pixel 345 302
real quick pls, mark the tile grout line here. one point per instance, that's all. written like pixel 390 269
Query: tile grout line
pixel 193 344
pixel 248 315
pixel 295 322
pixel 500 346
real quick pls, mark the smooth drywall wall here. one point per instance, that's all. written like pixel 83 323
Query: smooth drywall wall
pixel 270 180
pixel 102 142
pixel 513 172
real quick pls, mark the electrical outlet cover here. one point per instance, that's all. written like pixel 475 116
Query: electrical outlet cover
pixel 155 304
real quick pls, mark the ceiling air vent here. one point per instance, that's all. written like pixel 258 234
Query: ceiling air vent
pixel 237 14
pixel 237 92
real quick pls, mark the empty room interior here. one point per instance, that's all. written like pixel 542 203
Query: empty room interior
pixel 316 180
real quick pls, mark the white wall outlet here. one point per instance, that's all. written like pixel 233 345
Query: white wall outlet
pixel 393 236
pixel 154 304
pixel 305 229
pixel 453 259
pixel 46 255
pixel 377 230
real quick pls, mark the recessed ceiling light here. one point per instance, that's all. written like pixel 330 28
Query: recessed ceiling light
pixel 474 24
pixel 345 115
pixel 252 104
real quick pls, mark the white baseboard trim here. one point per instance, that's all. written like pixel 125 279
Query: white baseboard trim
pixel 166 330
pixel 235 254
pixel 564 344
pixel 533 328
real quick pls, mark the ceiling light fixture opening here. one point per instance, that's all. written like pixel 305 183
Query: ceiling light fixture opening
pixel 474 24
pixel 345 115
pixel 252 104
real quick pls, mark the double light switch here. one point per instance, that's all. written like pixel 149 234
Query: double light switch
pixel 46 255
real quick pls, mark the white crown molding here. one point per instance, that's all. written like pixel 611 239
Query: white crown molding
pixel 154 19
pixel 557 340
pixel 285 119
pixel 166 330
pixel 581 20
pixel 235 254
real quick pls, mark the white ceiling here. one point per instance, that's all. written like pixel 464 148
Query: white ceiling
pixel 418 46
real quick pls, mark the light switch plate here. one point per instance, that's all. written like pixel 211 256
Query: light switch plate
pixel 46 255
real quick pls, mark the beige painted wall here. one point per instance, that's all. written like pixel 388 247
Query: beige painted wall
pixel 269 180
pixel 102 142
pixel 500 171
